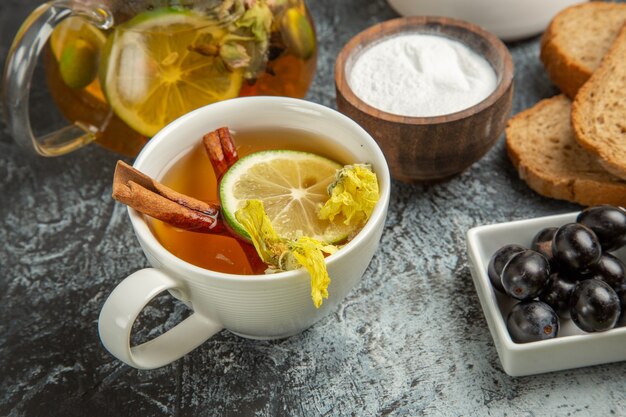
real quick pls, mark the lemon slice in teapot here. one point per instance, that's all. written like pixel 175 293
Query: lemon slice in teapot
pixel 76 45
pixel 154 68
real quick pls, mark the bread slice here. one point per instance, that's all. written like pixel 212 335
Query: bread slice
pixel 576 40
pixel 599 110
pixel 541 145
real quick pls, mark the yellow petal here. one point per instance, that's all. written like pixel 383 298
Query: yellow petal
pixel 353 194
pixel 254 220
pixel 308 253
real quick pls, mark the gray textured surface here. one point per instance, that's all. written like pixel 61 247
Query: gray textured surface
pixel 410 340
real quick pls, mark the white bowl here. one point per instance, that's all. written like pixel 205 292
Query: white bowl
pixel 508 19
pixel 573 348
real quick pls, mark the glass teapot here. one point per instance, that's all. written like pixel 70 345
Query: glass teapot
pixel 121 70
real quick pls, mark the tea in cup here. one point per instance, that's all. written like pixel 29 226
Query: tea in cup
pixel 253 306
pixel 120 71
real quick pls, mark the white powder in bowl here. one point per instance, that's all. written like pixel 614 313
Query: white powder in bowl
pixel 421 75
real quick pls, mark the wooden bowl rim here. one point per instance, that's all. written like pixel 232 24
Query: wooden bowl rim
pixel 411 24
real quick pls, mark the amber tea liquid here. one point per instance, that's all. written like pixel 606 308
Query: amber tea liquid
pixel 166 61
pixel 193 175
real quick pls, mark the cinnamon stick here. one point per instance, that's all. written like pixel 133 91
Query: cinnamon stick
pixel 144 194
pixel 220 146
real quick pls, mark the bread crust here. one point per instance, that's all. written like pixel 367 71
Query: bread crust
pixel 588 191
pixel 562 71
pixel 562 66
pixel 585 120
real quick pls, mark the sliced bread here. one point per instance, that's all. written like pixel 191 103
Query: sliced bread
pixel 599 110
pixel 541 145
pixel 576 40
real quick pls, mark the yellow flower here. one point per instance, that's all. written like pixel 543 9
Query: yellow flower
pixel 283 254
pixel 353 194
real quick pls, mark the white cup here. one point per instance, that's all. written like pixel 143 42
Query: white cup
pixel 252 306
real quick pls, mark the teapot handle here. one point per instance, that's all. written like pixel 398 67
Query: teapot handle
pixel 20 66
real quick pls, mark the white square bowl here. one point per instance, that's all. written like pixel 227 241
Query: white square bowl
pixel 572 348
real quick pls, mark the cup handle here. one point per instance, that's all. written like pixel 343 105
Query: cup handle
pixel 20 66
pixel 124 305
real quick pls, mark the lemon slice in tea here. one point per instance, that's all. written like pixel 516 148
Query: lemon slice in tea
pixel 291 185
pixel 153 70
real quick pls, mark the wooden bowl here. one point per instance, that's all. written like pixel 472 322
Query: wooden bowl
pixel 429 149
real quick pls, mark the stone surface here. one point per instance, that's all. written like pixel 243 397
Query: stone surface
pixel 411 339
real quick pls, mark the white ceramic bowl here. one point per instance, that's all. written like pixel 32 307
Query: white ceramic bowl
pixel 508 19
pixel 573 348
